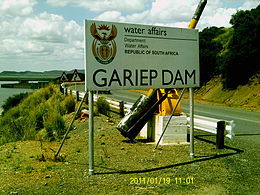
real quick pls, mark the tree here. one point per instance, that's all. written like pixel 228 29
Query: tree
pixel 209 48
pixel 241 61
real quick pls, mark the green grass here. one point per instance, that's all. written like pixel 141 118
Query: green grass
pixel 40 110
pixel 123 167
pixel 29 169
pixel 103 106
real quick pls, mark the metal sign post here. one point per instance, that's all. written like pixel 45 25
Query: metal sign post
pixel 191 123
pixel 192 25
pixel 91 134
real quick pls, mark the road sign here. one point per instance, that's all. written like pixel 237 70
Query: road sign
pixel 131 56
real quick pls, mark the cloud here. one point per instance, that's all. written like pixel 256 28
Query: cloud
pixel 50 28
pixel 49 41
pixel 161 11
pixel 249 4
pixel 44 39
pixel 58 3
pixel 24 47
pixel 174 13
pixel 103 5
pixel 116 5
pixel 111 16
pixel 217 14
pixel 171 11
pixel 220 18
pixel 16 7
pixel 44 27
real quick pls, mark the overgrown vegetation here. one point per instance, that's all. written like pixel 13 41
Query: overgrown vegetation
pixel 232 52
pixel 103 106
pixel 12 101
pixel 40 113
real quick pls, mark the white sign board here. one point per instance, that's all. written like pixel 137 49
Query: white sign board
pixel 131 56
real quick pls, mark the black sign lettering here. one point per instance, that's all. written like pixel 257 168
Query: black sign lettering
pixel 187 74
pixel 170 74
pixel 127 77
pixel 178 77
pixel 115 78
pixel 143 77
pixel 153 75
pixel 103 79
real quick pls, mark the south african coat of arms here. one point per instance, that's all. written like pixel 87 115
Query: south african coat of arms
pixel 104 45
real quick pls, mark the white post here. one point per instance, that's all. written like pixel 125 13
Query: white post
pixel 191 123
pixel 91 134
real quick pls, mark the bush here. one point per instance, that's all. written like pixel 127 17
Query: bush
pixel 103 106
pixel 42 109
pixel 54 124
pixel 38 117
pixel 12 125
pixel 54 103
pixel 13 101
pixel 69 104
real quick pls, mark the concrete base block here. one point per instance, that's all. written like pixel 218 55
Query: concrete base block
pixel 143 132
pixel 175 133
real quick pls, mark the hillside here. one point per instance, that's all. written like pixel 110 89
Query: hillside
pixel 245 96
pixel 125 167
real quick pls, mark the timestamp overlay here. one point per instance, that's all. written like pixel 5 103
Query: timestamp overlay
pixel 162 180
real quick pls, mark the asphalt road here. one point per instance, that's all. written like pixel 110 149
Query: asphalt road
pixel 246 122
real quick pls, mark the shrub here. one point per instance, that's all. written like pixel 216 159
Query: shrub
pixel 54 124
pixel 69 104
pixel 54 103
pixel 42 109
pixel 103 106
pixel 38 117
pixel 11 126
pixel 13 101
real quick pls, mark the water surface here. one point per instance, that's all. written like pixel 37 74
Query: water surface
pixel 6 92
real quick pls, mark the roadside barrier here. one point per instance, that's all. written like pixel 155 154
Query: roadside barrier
pixel 121 107
pixel 216 126
pixel 211 124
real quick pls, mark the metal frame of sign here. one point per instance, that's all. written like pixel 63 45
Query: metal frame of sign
pixel 134 56
pixel 131 56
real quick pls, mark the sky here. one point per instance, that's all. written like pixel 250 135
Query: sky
pixel 41 35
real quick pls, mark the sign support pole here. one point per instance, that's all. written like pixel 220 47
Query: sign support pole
pixel 91 134
pixel 192 25
pixel 191 123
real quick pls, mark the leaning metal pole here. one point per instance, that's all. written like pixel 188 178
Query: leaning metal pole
pixel 178 101
pixel 197 14
pixel 70 125
pixel 192 25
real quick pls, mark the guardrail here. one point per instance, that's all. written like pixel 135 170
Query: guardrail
pixel 200 122
pixel 210 125
pixel 121 106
